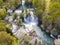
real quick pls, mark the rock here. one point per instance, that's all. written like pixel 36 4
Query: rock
pixel 58 36
pixel 57 41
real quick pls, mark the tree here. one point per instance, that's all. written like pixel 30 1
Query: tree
pixel 22 16
pixel 39 13
pixel 35 3
pixel 57 23
pixel 3 14
pixel 51 21
pixel 7 39
pixel 14 16
pixel 2 26
pixel 55 7
pixel 47 21
pixel 1 3
pixel 10 4
pixel 40 8
pixel 19 22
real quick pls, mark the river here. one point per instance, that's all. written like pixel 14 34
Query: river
pixel 31 22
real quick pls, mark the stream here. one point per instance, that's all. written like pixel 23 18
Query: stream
pixel 31 23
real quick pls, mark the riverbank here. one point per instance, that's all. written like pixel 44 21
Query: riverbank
pixel 30 38
pixel 57 41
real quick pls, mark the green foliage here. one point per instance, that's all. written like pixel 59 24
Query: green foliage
pixel 8 29
pixel 55 6
pixel 2 26
pixel 14 4
pixel 55 0
pixel 3 14
pixel 57 23
pixel 1 3
pixel 21 15
pixel 53 20
pixel 10 4
pixel 7 39
pixel 39 12
pixel 41 3
pixel 19 22
pixel 35 3
pixel 56 13
pixel 47 20
pixel 40 7
pixel 27 14
pixel 14 16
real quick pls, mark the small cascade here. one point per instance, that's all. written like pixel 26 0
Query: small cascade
pixel 31 19
pixel 31 22
pixel 32 16
pixel 23 4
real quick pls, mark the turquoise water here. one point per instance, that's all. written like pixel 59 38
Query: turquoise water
pixel 46 40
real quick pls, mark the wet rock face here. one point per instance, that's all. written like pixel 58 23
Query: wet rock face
pixel 36 41
pixel 33 34
pixel 31 39
pixel 57 41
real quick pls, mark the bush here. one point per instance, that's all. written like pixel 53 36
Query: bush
pixel 7 39
pixel 3 14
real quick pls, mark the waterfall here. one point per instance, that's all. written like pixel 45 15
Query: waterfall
pixel 31 23
pixel 23 4
pixel 31 19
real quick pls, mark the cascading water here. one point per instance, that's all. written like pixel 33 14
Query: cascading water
pixel 31 23
pixel 23 3
pixel 46 40
pixel 31 18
